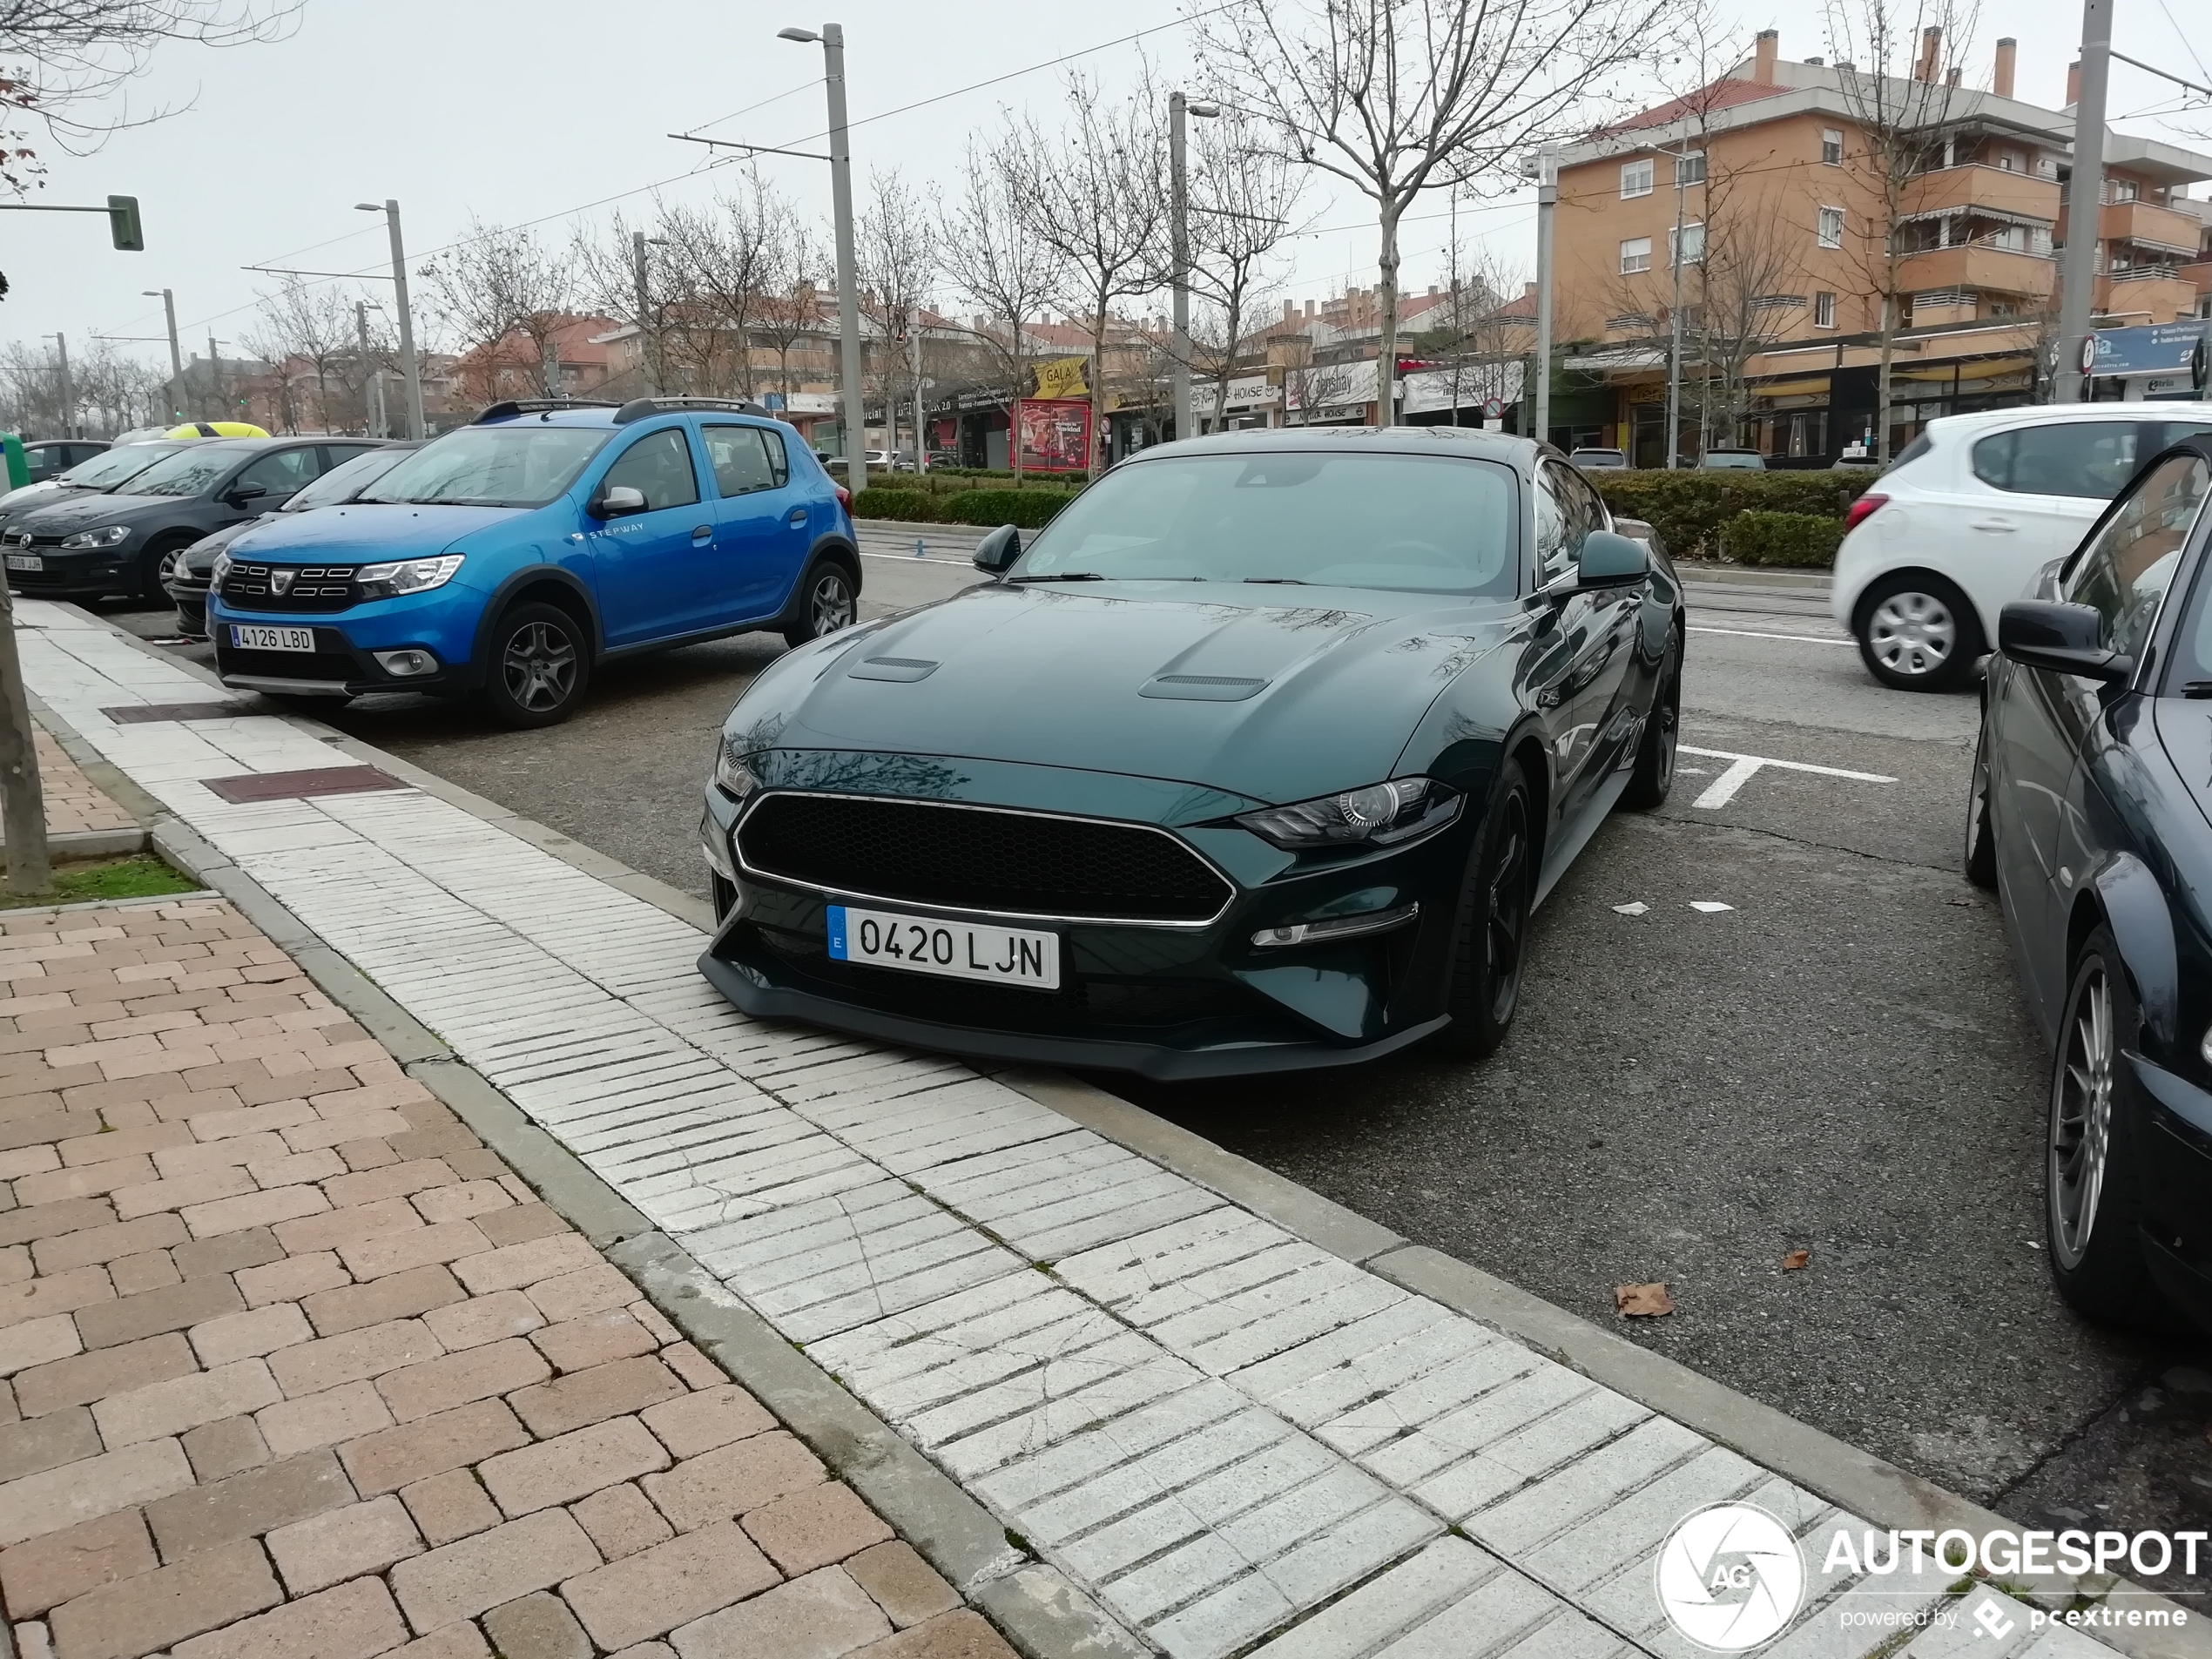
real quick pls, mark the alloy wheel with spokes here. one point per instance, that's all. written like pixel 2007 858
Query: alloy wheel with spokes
pixel 1508 906
pixel 1491 944
pixel 829 606
pixel 540 663
pixel 2081 1119
pixel 1981 850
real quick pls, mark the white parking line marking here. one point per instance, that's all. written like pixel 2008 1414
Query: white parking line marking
pixel 1746 633
pixel 1742 768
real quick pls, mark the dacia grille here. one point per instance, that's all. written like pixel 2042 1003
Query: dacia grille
pixel 288 587
pixel 967 858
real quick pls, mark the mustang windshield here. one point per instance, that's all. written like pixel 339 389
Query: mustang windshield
pixel 493 466
pixel 1321 518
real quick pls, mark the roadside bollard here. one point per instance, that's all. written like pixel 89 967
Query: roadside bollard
pixel 918 545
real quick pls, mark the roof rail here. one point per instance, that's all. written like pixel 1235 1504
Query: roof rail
pixel 509 408
pixel 639 408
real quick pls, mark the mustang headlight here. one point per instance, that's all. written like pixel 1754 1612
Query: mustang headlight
pixel 106 536
pixel 1379 815
pixel 731 774
pixel 404 576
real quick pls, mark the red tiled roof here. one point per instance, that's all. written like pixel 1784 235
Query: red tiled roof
pixel 1708 100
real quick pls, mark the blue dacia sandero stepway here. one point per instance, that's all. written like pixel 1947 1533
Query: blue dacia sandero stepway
pixel 506 558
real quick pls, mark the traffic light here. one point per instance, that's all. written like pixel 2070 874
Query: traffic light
pixel 122 223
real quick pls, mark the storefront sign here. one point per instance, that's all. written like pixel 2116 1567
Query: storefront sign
pixel 2154 348
pixel 1063 377
pixel 1245 391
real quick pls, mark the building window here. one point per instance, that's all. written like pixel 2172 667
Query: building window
pixel 1636 255
pixel 2119 190
pixel 1831 227
pixel 1823 311
pixel 1693 244
pixel 1635 179
pixel 1832 146
pixel 2009 161
pixel 1690 168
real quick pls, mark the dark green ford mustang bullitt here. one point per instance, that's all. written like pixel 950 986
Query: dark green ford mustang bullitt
pixel 1257 758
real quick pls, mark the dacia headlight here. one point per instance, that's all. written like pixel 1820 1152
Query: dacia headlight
pixel 390 580
pixel 106 536
pixel 732 775
pixel 1379 815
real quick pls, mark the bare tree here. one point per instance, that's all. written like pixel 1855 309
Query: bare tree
pixel 1244 194
pixel 991 261
pixel 895 249
pixel 78 53
pixel 723 259
pixel 1904 103
pixel 1400 97
pixel 496 284
pixel 1096 195
pixel 303 324
pixel 608 282
pixel 791 309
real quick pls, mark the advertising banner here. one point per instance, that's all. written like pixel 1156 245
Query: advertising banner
pixel 1056 434
pixel 1062 377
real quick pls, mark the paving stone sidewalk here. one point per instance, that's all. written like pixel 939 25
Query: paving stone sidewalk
pixel 1240 1443
pixel 75 806
pixel 295 1368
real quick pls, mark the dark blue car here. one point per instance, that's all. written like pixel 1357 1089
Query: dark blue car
pixel 2092 787
pixel 510 558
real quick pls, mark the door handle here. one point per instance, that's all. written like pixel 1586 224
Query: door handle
pixel 700 532
pixel 798 515
pixel 2000 526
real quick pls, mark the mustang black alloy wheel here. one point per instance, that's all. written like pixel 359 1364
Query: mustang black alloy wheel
pixel 1493 922
pixel 1654 773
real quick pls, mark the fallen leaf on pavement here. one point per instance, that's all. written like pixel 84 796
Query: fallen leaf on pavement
pixel 1635 908
pixel 1795 1259
pixel 1643 1301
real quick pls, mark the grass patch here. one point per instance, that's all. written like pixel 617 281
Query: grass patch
pixel 140 876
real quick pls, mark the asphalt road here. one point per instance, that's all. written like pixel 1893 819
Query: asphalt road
pixel 1840 1062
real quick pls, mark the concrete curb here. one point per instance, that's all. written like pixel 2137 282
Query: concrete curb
pixel 1855 1481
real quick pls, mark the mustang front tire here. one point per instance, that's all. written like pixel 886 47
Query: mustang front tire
pixel 1492 935
pixel 1981 850
pixel 1654 773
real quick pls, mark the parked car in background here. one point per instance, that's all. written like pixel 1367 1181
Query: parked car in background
pixel 1967 515
pixel 119 542
pixel 1600 460
pixel 185 577
pixel 48 458
pixel 511 556
pixel 1743 459
pixel 108 471
pixel 1258 760
pixel 937 458
pixel 2090 813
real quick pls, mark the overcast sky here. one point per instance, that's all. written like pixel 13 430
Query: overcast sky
pixel 513 110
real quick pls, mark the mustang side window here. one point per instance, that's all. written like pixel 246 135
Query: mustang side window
pixel 659 466
pixel 2126 568
pixel 1575 512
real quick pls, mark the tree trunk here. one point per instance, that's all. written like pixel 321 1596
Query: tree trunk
pixel 1386 304
pixel 22 804
pixel 1014 411
pixel 1228 362
pixel 1882 379
pixel 1098 444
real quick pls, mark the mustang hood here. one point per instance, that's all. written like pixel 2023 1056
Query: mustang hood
pixel 1275 698
pixel 363 530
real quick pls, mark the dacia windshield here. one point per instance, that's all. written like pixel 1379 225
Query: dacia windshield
pixel 492 466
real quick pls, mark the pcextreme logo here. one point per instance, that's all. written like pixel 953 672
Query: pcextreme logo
pixel 1730 1577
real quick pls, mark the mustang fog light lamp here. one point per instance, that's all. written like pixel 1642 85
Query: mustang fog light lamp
pixel 407 664
pixel 1379 815
pixel 1335 928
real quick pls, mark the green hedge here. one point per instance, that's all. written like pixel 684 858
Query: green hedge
pixel 1031 509
pixel 1781 538
pixel 950 481
pixel 1690 508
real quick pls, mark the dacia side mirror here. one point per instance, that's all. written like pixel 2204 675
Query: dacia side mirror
pixel 996 552
pixel 1609 560
pixel 2064 638
pixel 615 501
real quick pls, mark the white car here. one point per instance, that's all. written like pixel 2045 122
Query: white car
pixel 1969 512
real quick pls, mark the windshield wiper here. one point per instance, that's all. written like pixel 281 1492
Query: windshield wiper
pixel 1061 575
pixel 2197 688
pixel 1276 582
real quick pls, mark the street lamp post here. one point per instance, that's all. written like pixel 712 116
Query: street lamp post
pixel 176 358
pixel 832 37
pixel 2085 193
pixel 1179 188
pixel 390 209
pixel 1547 209
pixel 69 392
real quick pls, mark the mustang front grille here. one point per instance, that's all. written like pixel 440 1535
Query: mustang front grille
pixel 980 858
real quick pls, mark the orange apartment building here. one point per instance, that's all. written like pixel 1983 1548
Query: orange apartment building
pixel 1784 236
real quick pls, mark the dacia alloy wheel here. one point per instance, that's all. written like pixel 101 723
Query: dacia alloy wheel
pixel 1913 634
pixel 2081 1119
pixel 540 667
pixel 831 605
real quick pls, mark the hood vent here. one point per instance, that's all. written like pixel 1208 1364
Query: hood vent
pixel 892 668
pixel 1202 688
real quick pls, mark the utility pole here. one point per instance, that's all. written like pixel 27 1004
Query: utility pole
pixel 69 392
pixel 1674 327
pixel 1546 207
pixel 2085 195
pixel 375 429
pixel 409 367
pixel 176 357
pixel 645 352
pixel 832 37
pixel 1179 186
pixel 215 370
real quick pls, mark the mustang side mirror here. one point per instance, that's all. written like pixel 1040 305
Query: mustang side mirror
pixel 613 503
pixel 1611 561
pixel 2043 633
pixel 997 551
